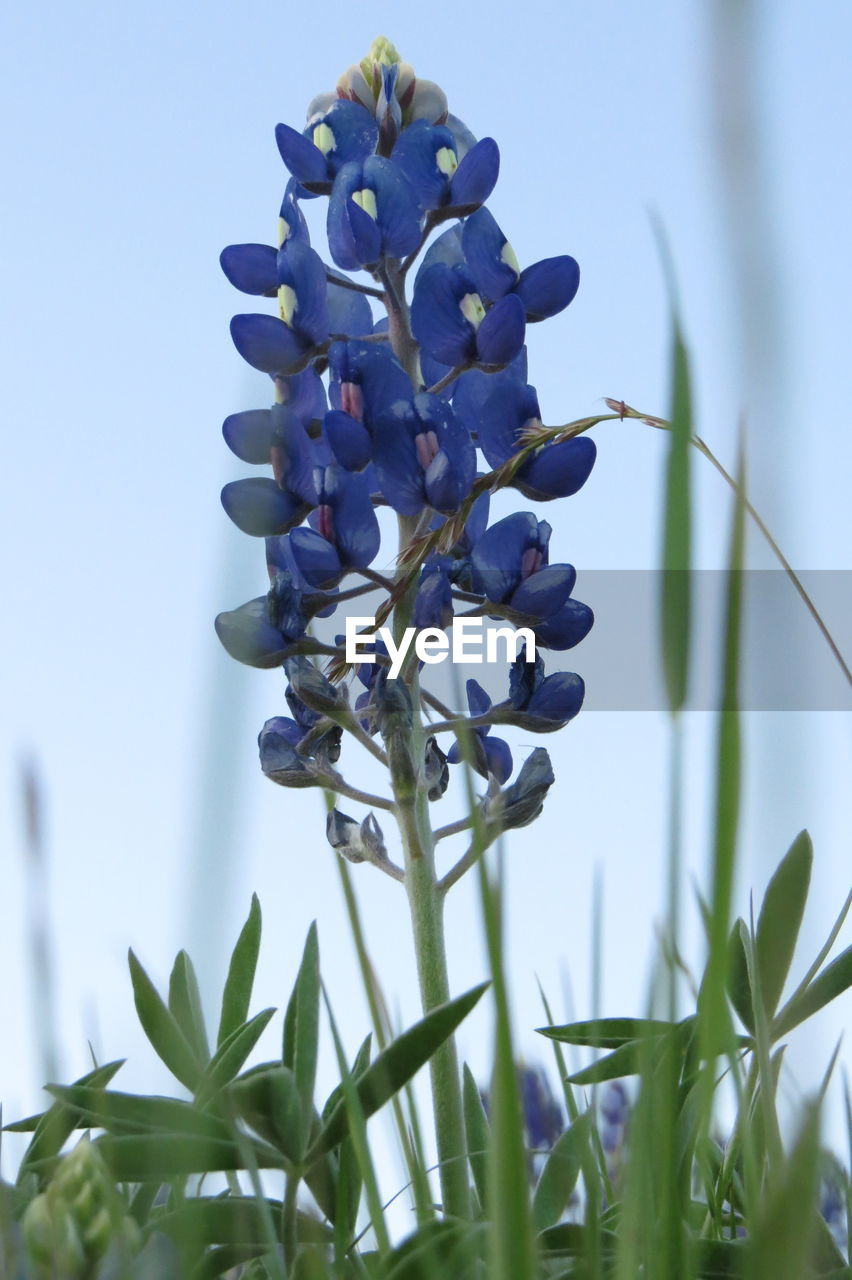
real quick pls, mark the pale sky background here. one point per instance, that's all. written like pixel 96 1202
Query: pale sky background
pixel 139 141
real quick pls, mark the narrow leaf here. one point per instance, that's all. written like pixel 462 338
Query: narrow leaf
pixel 781 917
pixel 559 1175
pixel 228 1059
pixel 114 1111
pixel 827 986
pixel 606 1033
pixel 56 1125
pixel 185 1005
pixel 402 1059
pixel 267 1098
pixel 301 1023
pixel 478 1134
pixel 161 1028
pixel 161 1157
pixel 236 996
pixel 739 985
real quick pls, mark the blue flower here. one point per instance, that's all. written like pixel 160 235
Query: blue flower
pixel 261 632
pixel 452 325
pixel 366 379
pixel 543 703
pixel 423 456
pixel 344 133
pixel 428 156
pixel 344 516
pixel 500 415
pixel 433 604
pixel 491 756
pixel 373 212
pixel 509 566
pixel 545 288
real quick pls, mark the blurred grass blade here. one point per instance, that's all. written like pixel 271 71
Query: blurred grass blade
pixel 677 536
pixel 236 995
pixel 713 1009
pixel 185 1005
pixel 781 918
pixel 134 1113
pixel 162 1157
pixel 161 1028
pixel 301 1023
pixel 395 1066
pixel 738 981
pixel 784 1222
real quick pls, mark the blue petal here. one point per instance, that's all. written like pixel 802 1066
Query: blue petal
pixel 415 153
pixel 356 529
pixel 524 679
pixel 349 236
pixel 355 133
pixel 293 455
pixel 567 627
pixel 498 758
pixel 498 407
pixel 447 249
pixel 547 287
pixel 317 560
pixel 436 317
pixel 558 697
pixel 349 440
pixel 304 393
pixel 305 161
pixel 395 458
pixel 349 312
pixel 501 334
pixel 249 435
pixel 433 605
pixel 496 558
pixel 267 344
pixel 483 243
pixel 258 507
pixel 301 267
pixel 248 635
pixel 476 176
pixel 295 227
pixel 277 754
pixel 478 701
pixel 545 592
pixel 557 470
pixel 251 268
pixel 399 212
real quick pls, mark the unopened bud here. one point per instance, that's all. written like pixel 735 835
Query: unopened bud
pixel 437 770
pixel 523 801
pixel 312 687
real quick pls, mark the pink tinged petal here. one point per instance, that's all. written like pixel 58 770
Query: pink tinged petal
pixel 426 444
pixel 325 522
pixel 352 400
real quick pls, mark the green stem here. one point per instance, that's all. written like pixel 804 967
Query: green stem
pixel 425 901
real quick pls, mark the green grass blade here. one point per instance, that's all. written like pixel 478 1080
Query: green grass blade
pixel 677 536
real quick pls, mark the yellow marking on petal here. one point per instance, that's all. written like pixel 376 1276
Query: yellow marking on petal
pixel 472 309
pixel 283 231
pixel 323 138
pixel 508 255
pixel 366 200
pixel 287 303
pixel 446 161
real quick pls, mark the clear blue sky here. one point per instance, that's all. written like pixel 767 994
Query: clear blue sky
pixel 139 141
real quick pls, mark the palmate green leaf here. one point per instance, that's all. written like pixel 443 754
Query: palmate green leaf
pixel 55 1126
pixel 826 986
pixel 267 1097
pixel 781 917
pixel 396 1065
pixel 606 1033
pixel 301 1023
pixel 161 1028
pixel 236 996
pixel 561 1170
pixel 133 1113
pixel 185 1005
pixel 677 537
pixel 228 1059
pixel 478 1133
